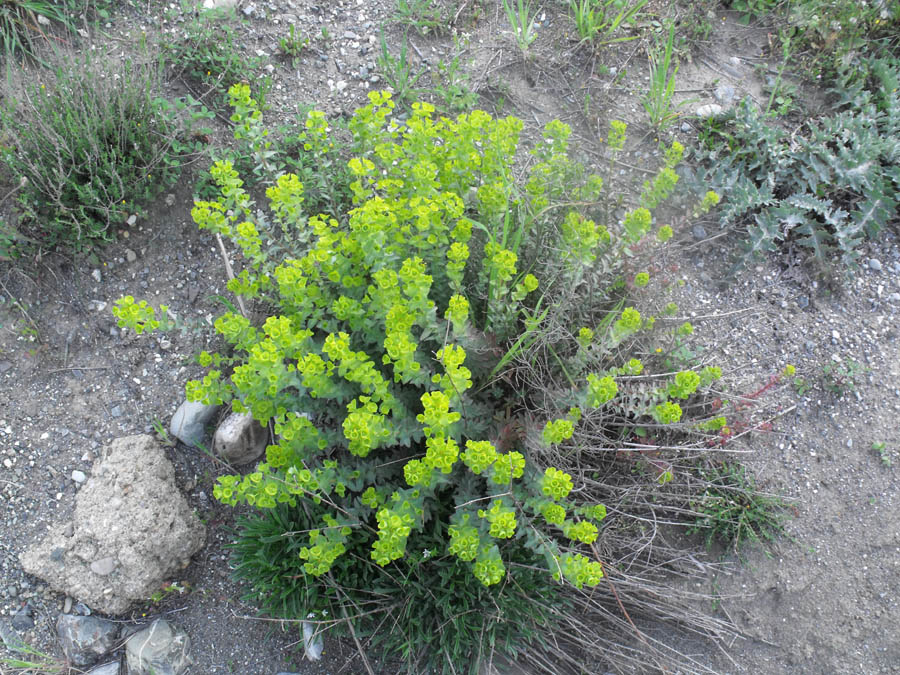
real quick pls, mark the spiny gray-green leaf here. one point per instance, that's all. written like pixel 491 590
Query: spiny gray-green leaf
pixel 893 173
pixel 787 217
pixel 816 238
pixel 874 213
pixel 810 203
pixel 766 231
pixel 835 218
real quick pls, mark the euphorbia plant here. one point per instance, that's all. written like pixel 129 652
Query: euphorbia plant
pixel 363 367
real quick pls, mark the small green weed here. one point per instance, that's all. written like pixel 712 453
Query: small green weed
pixel 753 9
pixel 398 72
pixel 451 86
pixel 31 661
pixel 208 56
pixel 781 93
pixel 598 20
pixel 696 20
pixel 522 21
pixel 840 377
pixel 829 35
pixel 731 510
pixel 884 452
pixel 658 101
pixel 24 22
pixel 292 45
pixel 801 385
pixel 162 434
pixel 421 15
pixel 168 590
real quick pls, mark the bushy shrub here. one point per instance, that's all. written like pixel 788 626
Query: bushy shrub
pixel 385 366
pixel 91 146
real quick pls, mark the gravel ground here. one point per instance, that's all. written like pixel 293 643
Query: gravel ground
pixel 823 601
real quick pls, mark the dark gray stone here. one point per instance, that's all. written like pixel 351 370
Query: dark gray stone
pixel 9 637
pixel 22 620
pixel 85 639
pixel 699 232
pixel 158 649
pixel 111 668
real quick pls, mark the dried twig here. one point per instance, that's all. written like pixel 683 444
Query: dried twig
pixel 230 272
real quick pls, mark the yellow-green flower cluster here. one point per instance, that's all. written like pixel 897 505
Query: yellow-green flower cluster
pixel 555 483
pixel 557 431
pixel 553 513
pixel 321 554
pixel 394 527
pixel 489 568
pixel 502 519
pixel 580 571
pixel 582 531
pixel 479 455
pixel 464 541
pixel 685 384
pixel 667 413
pixel 600 390
pixel 507 467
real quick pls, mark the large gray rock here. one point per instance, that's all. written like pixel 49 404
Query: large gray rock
pixel 158 649
pixel 240 439
pixel 130 532
pixel 85 639
pixel 189 422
